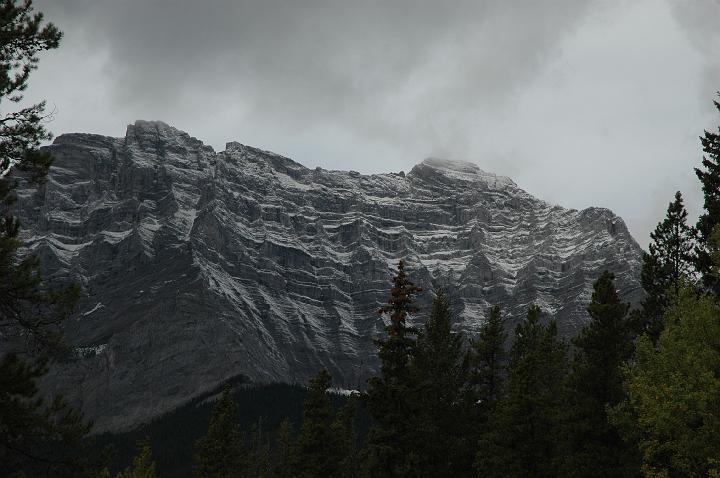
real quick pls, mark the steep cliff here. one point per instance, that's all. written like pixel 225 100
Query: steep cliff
pixel 199 266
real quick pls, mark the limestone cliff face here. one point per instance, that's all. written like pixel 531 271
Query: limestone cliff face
pixel 199 266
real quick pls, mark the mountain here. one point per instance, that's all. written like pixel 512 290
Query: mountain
pixel 200 266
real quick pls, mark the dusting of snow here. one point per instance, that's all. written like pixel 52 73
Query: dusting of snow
pixel 343 391
pixel 91 351
pixel 98 306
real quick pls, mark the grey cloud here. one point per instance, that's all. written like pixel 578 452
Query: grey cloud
pixel 386 68
pixel 699 19
pixel 581 102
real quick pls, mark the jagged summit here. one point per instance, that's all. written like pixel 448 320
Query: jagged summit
pixel 198 266
pixel 153 133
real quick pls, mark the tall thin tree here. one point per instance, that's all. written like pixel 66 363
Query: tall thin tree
pixel 221 452
pixel 669 263
pixel 389 448
pixel 489 358
pixel 591 446
pixel 440 378
pixel 315 454
pixel 709 176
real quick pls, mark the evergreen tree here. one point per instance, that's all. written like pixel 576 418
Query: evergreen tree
pixel 284 451
pixel 439 373
pixel 669 263
pixel 142 466
pixel 25 34
pixel 592 446
pixel 523 431
pixel 709 176
pixel 221 452
pixel 315 454
pixel 672 407
pixel 713 249
pixel 259 453
pixel 389 449
pixel 37 438
pixel 27 310
pixel 344 439
pixel 489 358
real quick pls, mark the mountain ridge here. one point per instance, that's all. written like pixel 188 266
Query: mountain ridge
pixel 200 265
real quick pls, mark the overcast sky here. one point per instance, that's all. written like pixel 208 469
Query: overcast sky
pixel 583 103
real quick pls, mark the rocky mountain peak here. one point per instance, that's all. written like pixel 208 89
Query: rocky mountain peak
pixel 199 266
pixel 460 171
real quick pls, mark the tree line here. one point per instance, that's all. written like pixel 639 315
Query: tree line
pixel 636 393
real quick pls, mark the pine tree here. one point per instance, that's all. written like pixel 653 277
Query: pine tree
pixel 315 454
pixel 489 358
pixel 27 310
pixel 592 447
pixel 523 432
pixel 439 374
pixel 221 452
pixel 669 263
pixel 142 466
pixel 709 176
pixel 284 451
pixel 24 36
pixel 388 398
pixel 673 393
pixel 37 437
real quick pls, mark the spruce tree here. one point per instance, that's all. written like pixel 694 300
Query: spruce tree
pixel 439 374
pixel 669 263
pixel 488 369
pixel 389 449
pixel 489 358
pixel 709 176
pixel 315 454
pixel 221 452
pixel 592 447
pixel 523 432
